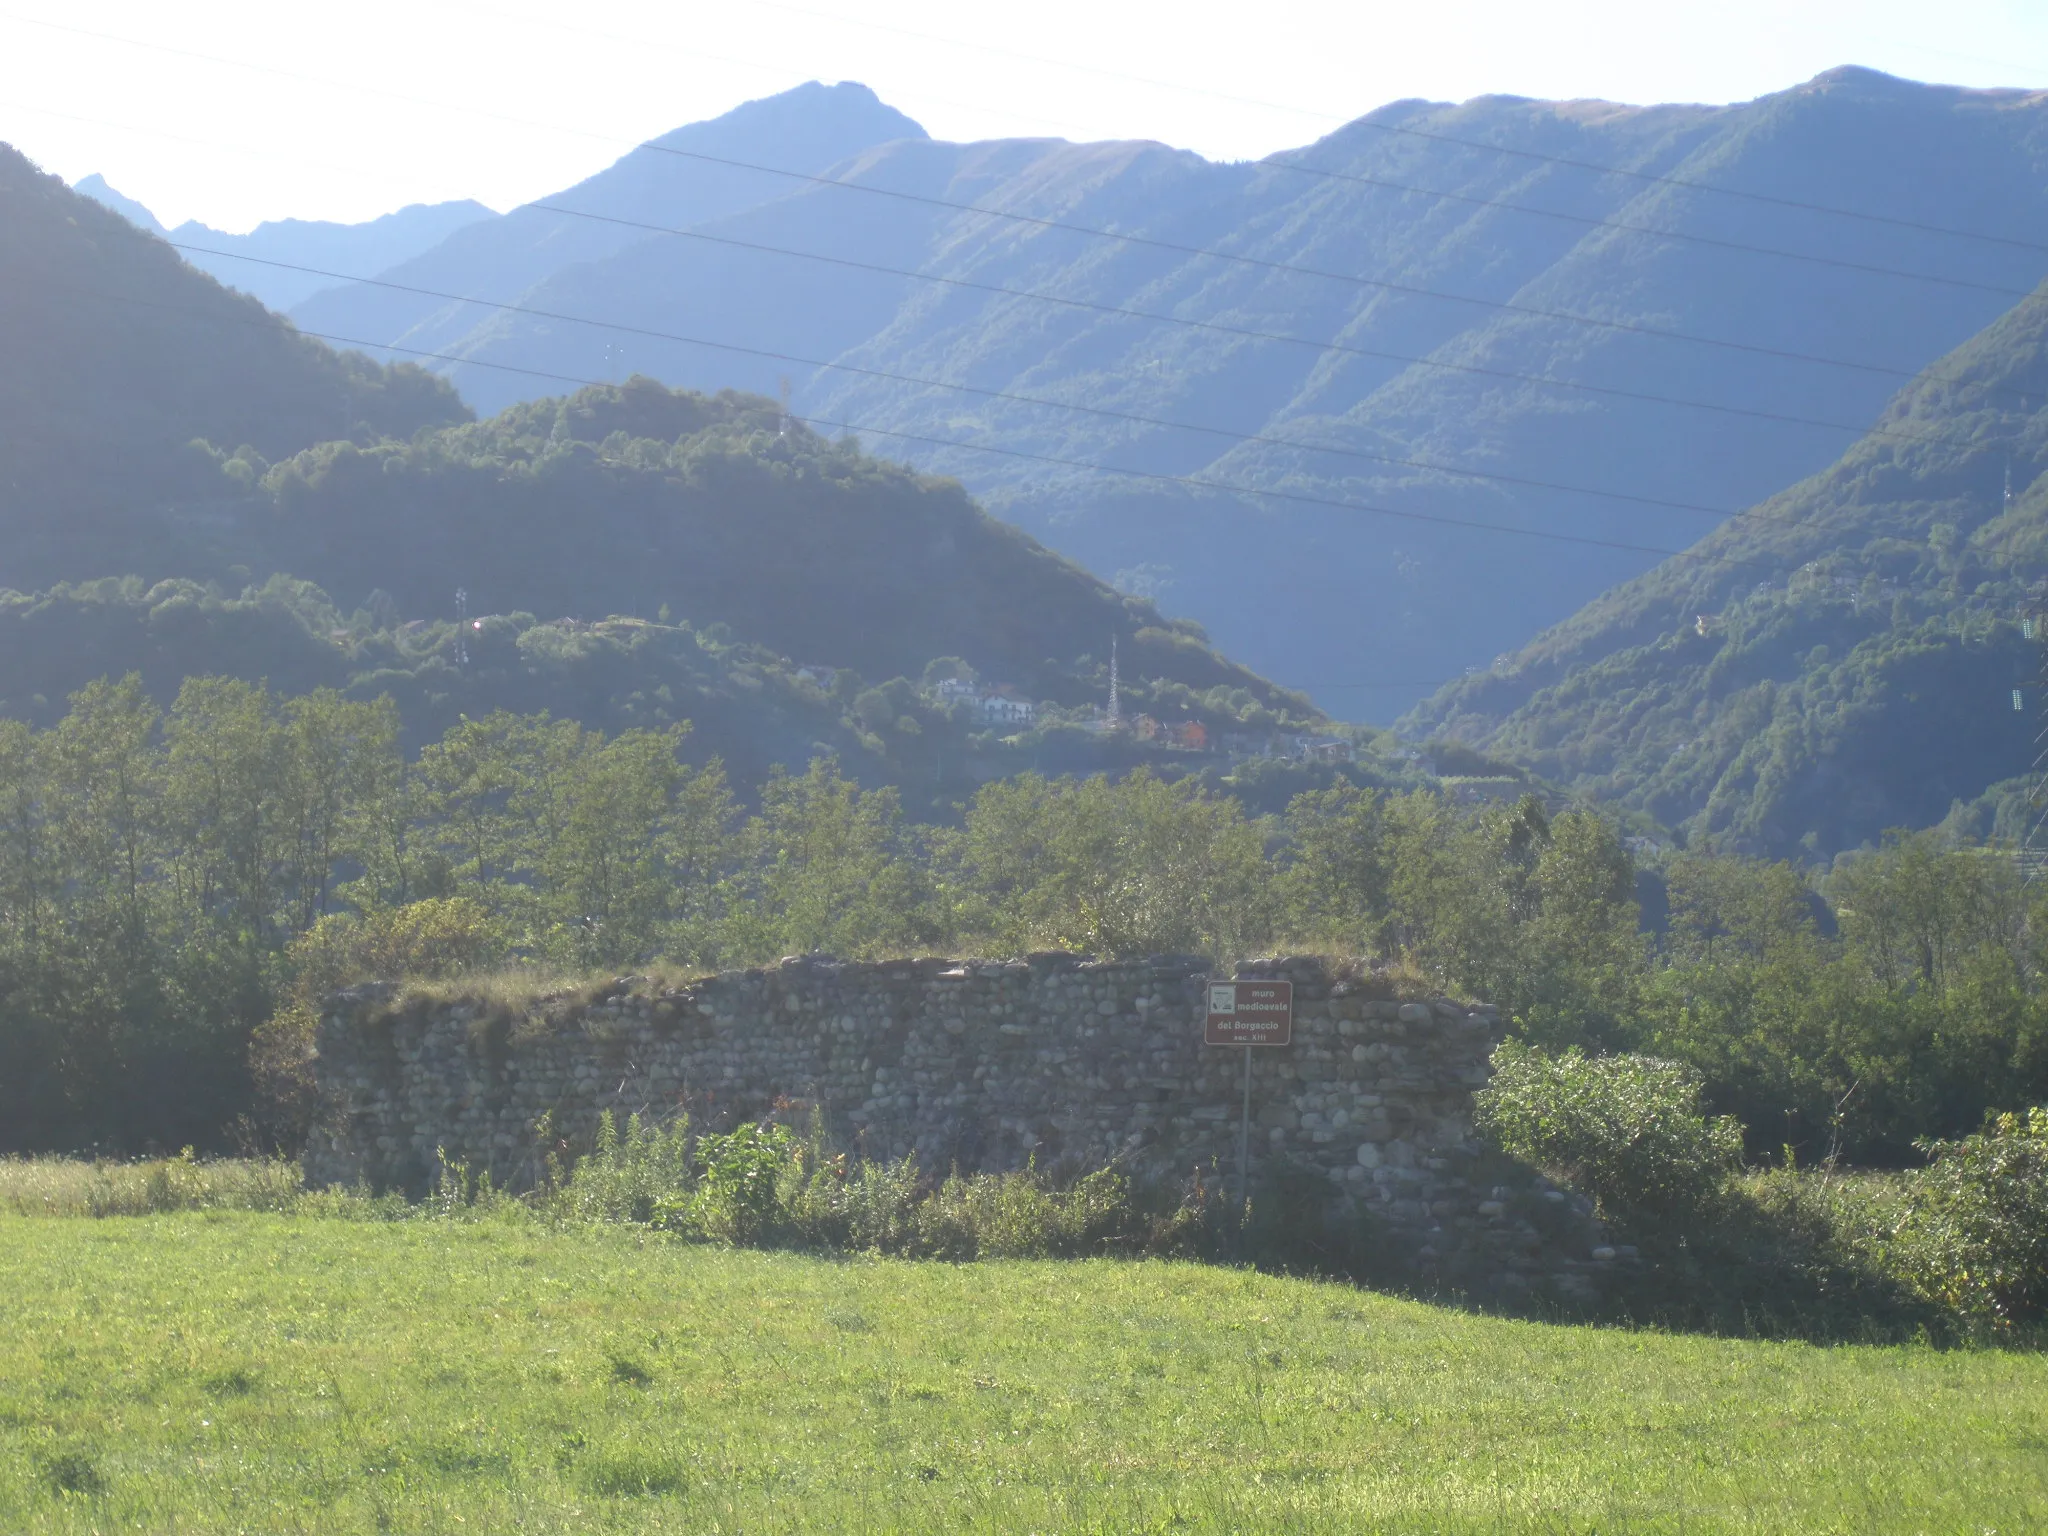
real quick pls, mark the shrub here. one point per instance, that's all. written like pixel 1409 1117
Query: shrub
pixel 859 1207
pixel 1626 1130
pixel 1020 1216
pixel 1975 1234
pixel 765 1185
pixel 736 1199
pixel 626 1174
pixel 427 940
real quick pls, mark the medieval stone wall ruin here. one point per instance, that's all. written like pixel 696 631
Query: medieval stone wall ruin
pixel 981 1065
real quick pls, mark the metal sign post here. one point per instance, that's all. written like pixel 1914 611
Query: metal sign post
pixel 1248 1013
pixel 1244 1146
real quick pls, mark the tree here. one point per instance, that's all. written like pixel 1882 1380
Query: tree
pixel 224 770
pixel 1136 866
pixel 1728 908
pixel 105 779
pixel 1333 887
pixel 639 837
pixel 826 866
pixel 467 781
pixel 1914 909
pixel 340 757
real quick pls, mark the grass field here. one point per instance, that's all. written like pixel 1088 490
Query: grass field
pixel 234 1371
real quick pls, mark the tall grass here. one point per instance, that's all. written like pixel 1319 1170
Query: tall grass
pixel 66 1186
pixel 768 1186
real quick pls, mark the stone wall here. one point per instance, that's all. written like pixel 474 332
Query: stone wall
pixel 980 1065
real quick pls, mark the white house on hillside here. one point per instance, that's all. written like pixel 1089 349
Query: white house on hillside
pixel 990 706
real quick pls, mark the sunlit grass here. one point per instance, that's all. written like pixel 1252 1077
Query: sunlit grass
pixel 234 1371
pixel 66 1186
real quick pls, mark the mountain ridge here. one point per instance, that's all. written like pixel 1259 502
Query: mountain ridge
pixel 259 263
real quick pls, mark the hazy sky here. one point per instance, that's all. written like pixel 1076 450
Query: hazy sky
pixel 234 111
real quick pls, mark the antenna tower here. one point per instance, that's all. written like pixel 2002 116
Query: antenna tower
pixel 2033 849
pixel 462 626
pixel 782 391
pixel 1116 715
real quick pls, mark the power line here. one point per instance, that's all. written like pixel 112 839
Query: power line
pixel 1158 317
pixel 1191 481
pixel 1155 476
pixel 1136 418
pixel 1154 316
pixel 1249 333
pixel 1132 417
pixel 1277 161
pixel 1917 225
pixel 1683 236
pixel 1668 556
pixel 1441 682
pixel 1243 490
pixel 1410 290
pixel 1299 498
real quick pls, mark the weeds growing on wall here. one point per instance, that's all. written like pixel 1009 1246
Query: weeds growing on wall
pixel 766 1185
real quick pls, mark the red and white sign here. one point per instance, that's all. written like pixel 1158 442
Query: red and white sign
pixel 1250 1013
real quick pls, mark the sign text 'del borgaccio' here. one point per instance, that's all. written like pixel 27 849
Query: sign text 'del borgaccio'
pixel 1250 1013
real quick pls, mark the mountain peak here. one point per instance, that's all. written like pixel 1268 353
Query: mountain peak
pixel 811 111
pixel 1861 77
pixel 95 187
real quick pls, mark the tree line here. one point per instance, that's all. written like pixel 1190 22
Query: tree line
pixel 175 883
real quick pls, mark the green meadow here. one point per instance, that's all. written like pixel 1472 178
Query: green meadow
pixel 259 1372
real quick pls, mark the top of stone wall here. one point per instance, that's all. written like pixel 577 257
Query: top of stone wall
pixel 384 998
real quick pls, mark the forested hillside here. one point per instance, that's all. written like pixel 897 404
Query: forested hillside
pixel 744 705
pixel 637 500
pixel 114 355
pixel 1445 311
pixel 1843 658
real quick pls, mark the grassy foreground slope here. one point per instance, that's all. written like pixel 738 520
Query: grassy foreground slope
pixel 259 1373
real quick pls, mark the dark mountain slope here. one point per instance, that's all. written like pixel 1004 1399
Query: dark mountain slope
pixel 114 355
pixel 1370 600
pixel 809 129
pixel 1840 660
pixel 243 261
